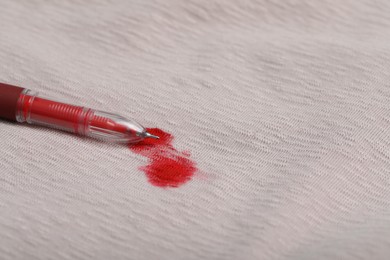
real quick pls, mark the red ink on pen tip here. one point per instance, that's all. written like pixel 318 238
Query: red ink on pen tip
pixel 167 167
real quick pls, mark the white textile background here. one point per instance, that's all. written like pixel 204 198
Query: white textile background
pixel 284 105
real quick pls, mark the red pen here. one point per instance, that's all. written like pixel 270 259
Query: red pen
pixel 23 105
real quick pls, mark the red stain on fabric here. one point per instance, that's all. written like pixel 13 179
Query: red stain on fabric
pixel 167 167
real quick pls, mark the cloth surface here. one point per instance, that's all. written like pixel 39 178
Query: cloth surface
pixel 284 106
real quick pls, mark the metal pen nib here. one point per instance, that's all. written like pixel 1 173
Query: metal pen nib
pixel 151 136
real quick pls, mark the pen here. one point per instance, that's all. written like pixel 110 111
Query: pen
pixel 23 105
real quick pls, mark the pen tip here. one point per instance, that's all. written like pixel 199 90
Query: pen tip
pixel 151 136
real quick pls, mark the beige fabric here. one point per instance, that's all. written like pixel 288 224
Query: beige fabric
pixel 285 106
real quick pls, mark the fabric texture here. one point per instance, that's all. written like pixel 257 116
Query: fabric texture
pixel 284 106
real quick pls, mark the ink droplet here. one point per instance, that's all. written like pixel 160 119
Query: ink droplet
pixel 167 167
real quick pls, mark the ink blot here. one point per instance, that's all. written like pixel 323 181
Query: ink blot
pixel 167 167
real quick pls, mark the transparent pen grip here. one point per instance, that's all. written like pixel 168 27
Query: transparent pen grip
pixel 114 128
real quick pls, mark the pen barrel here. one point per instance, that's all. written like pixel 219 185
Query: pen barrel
pixel 35 110
pixel 76 119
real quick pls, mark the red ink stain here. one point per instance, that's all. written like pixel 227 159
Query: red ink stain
pixel 167 167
